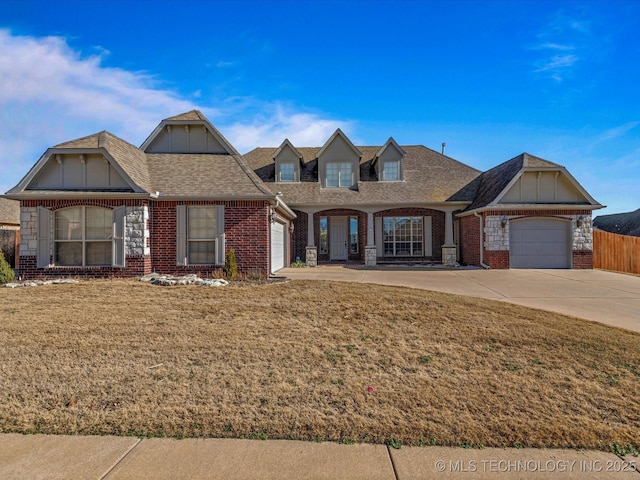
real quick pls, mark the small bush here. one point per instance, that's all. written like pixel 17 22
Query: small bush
pixel 6 272
pixel 230 265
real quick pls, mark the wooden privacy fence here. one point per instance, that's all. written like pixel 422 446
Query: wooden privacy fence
pixel 620 253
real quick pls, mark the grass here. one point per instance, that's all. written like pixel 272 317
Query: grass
pixel 318 361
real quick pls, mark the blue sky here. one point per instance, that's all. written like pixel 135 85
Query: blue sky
pixel 559 80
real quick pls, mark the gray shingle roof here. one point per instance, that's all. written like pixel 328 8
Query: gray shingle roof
pixel 620 223
pixel 429 177
pixel 204 175
pixel 9 212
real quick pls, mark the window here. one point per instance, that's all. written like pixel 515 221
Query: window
pixel 403 236
pixel 83 236
pixel 353 234
pixel 201 233
pixel 391 171
pixel 287 172
pixel 338 175
pixel 324 235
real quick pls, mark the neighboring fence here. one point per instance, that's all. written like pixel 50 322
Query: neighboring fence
pixel 8 244
pixel 620 253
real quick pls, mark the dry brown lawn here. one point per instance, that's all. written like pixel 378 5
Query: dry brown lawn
pixel 313 361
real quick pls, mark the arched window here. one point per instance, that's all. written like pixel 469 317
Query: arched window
pixel 83 236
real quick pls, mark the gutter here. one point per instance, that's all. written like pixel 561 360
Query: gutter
pixel 482 264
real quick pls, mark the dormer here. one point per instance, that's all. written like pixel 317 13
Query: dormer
pixel 288 162
pixel 388 162
pixel 339 162
pixel 190 132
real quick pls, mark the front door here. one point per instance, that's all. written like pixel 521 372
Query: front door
pixel 338 236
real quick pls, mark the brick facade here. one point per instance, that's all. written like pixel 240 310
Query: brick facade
pixel 247 231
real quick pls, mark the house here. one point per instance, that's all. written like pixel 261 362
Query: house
pixel 99 206
pixel 620 223
pixel 385 203
pixel 9 229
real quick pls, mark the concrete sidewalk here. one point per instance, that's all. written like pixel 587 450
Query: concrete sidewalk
pixel 605 297
pixel 40 457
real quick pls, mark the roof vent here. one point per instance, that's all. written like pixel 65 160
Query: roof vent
pixel 443 147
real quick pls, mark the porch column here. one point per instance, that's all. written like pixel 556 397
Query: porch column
pixel 370 251
pixel 449 247
pixel 311 251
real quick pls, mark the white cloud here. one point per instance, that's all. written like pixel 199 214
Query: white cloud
pixel 563 33
pixel 302 129
pixel 51 93
pixel 557 62
pixel 617 132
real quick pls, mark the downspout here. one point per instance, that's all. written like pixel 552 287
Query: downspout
pixel 482 264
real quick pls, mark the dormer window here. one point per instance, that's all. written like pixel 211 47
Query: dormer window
pixel 288 163
pixel 391 170
pixel 388 162
pixel 287 172
pixel 339 175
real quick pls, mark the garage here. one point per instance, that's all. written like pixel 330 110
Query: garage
pixel 278 246
pixel 540 243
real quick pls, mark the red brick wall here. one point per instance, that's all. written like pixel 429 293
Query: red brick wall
pixel 582 259
pixel 470 240
pixel 247 231
pixel 299 237
pixel 136 265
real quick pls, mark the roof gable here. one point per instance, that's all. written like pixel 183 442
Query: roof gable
pixel 287 146
pixel 390 144
pixel 189 132
pixel 338 137
pixel 524 179
pixel 128 164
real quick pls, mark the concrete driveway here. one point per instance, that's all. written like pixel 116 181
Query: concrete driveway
pixel 606 297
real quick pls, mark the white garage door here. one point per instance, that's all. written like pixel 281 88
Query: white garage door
pixel 277 246
pixel 539 243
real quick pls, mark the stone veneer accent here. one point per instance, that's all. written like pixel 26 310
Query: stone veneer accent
pixel 28 231
pixel 370 256
pixel 449 256
pixel 312 256
pixel 137 236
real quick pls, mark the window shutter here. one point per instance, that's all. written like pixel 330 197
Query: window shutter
pixel 181 234
pixel 220 247
pixel 44 231
pixel 378 237
pixel 428 237
pixel 119 225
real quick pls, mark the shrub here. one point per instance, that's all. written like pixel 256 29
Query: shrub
pixel 230 265
pixel 6 272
